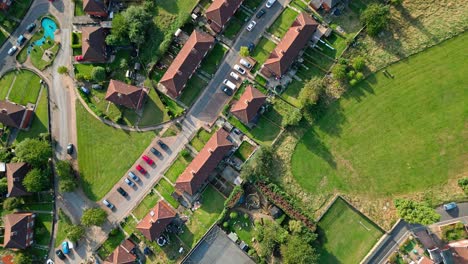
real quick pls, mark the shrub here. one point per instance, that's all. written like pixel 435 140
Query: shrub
pixel 233 215
pixel 339 71
pixel 80 77
pixel 244 51
pixel 225 225
pixel 463 183
pixel 359 76
pixel 375 17
pixel 185 153
pixel 416 213
pixel 351 74
pixel 353 82
pixel 359 63
pixel 98 74
pixel 62 70
pixel 12 203
pixel 246 216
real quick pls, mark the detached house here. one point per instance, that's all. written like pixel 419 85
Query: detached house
pixel 15 115
pixel 123 254
pixel 196 174
pixel 19 230
pixel 296 39
pixel 186 62
pixel 15 173
pixel 219 13
pixel 93 47
pixel 248 106
pixel 156 221
pixel 126 95
pixel 95 8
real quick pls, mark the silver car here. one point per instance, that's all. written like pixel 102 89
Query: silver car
pixel 12 50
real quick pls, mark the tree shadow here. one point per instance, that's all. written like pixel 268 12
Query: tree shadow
pixel 325 255
pixel 316 146
pixel 360 91
pixel 169 6
pixel 415 22
pixel 333 112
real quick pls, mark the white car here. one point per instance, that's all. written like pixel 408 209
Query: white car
pixel 239 69
pixel 245 63
pixel 12 50
pixel 229 84
pixel 251 25
pixel 234 75
pixel 269 3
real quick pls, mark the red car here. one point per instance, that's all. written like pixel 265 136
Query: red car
pixel 79 58
pixel 148 160
pixel 140 169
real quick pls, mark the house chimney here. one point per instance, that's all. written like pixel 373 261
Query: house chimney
pixel 4 111
pixel 179 72
pixel 192 172
pixel 119 95
pixel 152 213
pixel 298 29
pixel 210 150
pixel 247 101
pixel 14 233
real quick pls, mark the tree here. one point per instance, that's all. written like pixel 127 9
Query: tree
pixel 93 216
pixel 22 258
pixel 396 2
pixel 292 118
pixel 269 236
pixel 359 76
pixel 298 251
pixel 3 186
pixel 130 25
pixel 62 70
pixel 233 215
pixel 359 63
pixel 414 212
pixel 123 63
pixel 75 232
pixel 259 166
pixel 98 74
pixel 295 226
pixel 36 181
pixel 5 155
pixel 339 72
pixel 309 94
pixel 34 151
pixel 244 51
pixel 67 182
pixel 463 183
pixel 375 17
pixel 12 203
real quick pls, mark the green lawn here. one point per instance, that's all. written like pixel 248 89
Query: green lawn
pixel 19 8
pixel 283 23
pixel 193 89
pixel 3 37
pixel 129 225
pixel 40 122
pixel 204 217
pixel 43 229
pixel 243 227
pixel 37 53
pixel 236 23
pixel 154 111
pixel 211 62
pixel 166 189
pixel 5 83
pixel 390 136
pixel 110 244
pixel 177 167
pixel 26 88
pixel 63 223
pixel 345 236
pixel 262 51
pixel 292 92
pixel 263 133
pixel 146 205
pixel 252 4
pixel 199 141
pixel 79 8
pixel 105 153
pixel 244 151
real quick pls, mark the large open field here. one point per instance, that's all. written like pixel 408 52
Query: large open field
pixel 392 136
pixel 345 236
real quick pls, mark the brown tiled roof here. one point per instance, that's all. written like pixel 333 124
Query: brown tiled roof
pixel 11 114
pixel 125 94
pixel 19 230
pixel 94 7
pixel 220 11
pixel 15 173
pixel 156 220
pixel 198 171
pixel 93 47
pixel 292 43
pixel 186 62
pixel 122 254
pixel 248 105
pixel 425 260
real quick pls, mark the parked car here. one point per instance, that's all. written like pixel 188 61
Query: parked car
pixel 31 27
pixel 228 91
pixel 65 247
pixel 20 41
pixel 156 152
pixel 122 192
pixel 12 50
pixel 96 86
pixel 147 160
pixel 133 176
pixel 245 63
pixel 229 84
pixel 251 46
pixel 49 261
pixel 108 204
pixel 140 169
pixel 85 90
pixel 129 182
pixel 251 25
pixel 450 206
pixel 260 13
pixel 163 145
pixel 239 69
pixel 234 75
pixel 60 254
pixel 70 148
pixel 270 3
pixel 79 58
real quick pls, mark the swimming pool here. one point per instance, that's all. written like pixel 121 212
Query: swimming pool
pixel 49 27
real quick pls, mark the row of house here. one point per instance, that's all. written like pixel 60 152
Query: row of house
pixel 15 115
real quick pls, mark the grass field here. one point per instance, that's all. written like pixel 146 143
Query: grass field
pixel 40 122
pixel 26 88
pixel 153 112
pixel 43 229
pixel 5 84
pixel 244 151
pixel 391 136
pixel 213 59
pixel 110 244
pixel 199 141
pixel 345 236
pixel 145 206
pixel 177 168
pixel 283 23
pixel 236 23
pixel 262 51
pixel 193 89
pixel 263 133
pixel 166 189
pixel 105 153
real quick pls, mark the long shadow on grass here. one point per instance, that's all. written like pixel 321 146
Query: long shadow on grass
pixel 316 146
pixel 362 89
pixel 325 255
pixel 332 115
pixel 415 22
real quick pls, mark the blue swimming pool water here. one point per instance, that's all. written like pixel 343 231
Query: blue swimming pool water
pixel 49 27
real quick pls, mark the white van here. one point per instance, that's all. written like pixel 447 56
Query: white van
pixel 245 63
pixel 234 75
pixel 269 3
pixel 229 84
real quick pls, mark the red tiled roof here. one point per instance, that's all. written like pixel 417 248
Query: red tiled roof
pixel 122 254
pixel 292 43
pixel 95 7
pixel 11 114
pixel 156 220
pixel 15 173
pixel 93 47
pixel 425 260
pixel 198 171
pixel 186 62
pixel 125 94
pixel 248 105
pixel 19 230
pixel 220 11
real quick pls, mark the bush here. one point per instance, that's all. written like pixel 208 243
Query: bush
pixel 339 72
pixel 93 216
pixel 351 74
pixel 375 17
pixel 244 51
pixel 225 225
pixel 246 216
pixel 416 213
pixel 12 203
pixel 62 70
pixel 463 183
pixel 359 63
pixel 233 215
pixel 359 76
pixel 185 153
pixel 98 74
pixel 353 82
